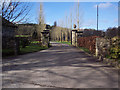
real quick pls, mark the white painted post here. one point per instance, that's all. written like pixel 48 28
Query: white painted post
pixel 74 37
pixel 96 53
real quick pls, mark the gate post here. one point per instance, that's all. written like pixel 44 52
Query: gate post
pixel 74 37
pixel 96 45
pixel 45 38
pixel 78 35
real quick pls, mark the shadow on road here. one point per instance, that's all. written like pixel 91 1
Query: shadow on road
pixel 59 56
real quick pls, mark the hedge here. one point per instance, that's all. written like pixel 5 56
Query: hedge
pixel 88 42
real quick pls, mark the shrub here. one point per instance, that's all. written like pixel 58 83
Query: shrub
pixel 115 48
pixel 24 42
pixel 88 42
pixel 115 52
pixel 7 52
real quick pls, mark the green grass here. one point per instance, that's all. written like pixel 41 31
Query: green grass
pixel 65 42
pixel 28 49
pixel 22 35
pixel 85 49
pixel 7 52
pixel 69 43
pixel 35 42
pixel 31 48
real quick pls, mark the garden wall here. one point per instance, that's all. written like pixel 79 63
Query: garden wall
pixel 8 37
pixel 102 47
pixel 8 34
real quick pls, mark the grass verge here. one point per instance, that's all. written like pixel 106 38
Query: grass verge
pixel 85 49
pixel 65 42
pixel 28 49
pixel 32 48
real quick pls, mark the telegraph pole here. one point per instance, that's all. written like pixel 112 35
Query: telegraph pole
pixel 97 17
pixel 78 16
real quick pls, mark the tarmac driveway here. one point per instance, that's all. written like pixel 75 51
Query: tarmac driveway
pixel 59 66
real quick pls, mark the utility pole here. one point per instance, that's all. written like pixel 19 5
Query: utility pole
pixel 97 17
pixel 78 16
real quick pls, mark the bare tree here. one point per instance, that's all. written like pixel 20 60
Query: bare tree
pixel 41 21
pixel 71 20
pixel 78 15
pixel 41 15
pixel 15 11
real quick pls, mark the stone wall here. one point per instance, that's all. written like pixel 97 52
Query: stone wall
pixel 8 37
pixel 74 37
pixel 45 38
pixel 102 47
pixel 8 34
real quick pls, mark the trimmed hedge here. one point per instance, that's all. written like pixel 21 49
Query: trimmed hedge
pixel 88 42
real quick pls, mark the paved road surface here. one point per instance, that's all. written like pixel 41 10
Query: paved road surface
pixel 59 66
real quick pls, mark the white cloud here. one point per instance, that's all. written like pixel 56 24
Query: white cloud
pixel 103 5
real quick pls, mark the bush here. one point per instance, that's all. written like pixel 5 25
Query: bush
pixel 115 48
pixel 24 42
pixel 88 42
pixel 115 52
pixel 7 52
